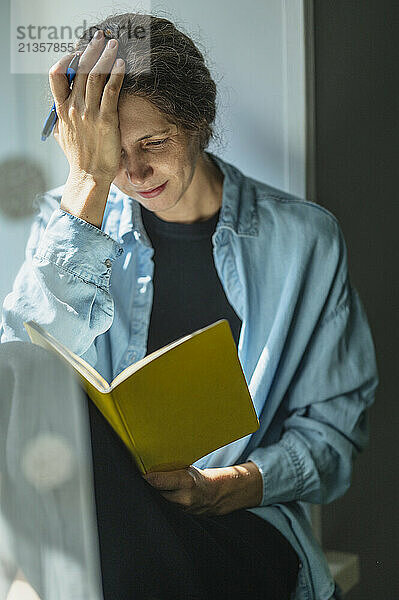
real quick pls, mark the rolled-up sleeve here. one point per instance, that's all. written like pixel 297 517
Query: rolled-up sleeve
pixel 327 402
pixel 64 283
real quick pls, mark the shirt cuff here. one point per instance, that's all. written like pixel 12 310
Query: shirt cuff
pixel 78 247
pixel 281 471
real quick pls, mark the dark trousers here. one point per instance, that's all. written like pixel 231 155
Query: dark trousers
pixel 152 549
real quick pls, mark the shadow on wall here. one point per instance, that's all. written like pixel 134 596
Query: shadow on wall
pixel 22 179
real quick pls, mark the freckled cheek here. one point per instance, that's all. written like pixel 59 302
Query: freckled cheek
pixel 176 172
pixel 180 177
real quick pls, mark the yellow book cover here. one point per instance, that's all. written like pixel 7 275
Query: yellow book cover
pixel 175 405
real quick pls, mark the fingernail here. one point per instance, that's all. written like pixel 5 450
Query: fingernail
pixel 111 44
pixel 98 34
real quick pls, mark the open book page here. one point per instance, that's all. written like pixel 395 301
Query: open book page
pixel 40 337
pixel 126 373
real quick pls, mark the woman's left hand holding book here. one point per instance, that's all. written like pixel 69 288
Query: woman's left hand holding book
pixel 215 491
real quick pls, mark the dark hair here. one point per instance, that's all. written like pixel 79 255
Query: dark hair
pixel 170 72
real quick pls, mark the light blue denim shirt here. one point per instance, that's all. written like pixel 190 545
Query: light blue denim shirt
pixel 305 345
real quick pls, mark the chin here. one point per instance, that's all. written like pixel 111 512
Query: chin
pixel 154 206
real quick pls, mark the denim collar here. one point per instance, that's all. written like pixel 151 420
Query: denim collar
pixel 238 212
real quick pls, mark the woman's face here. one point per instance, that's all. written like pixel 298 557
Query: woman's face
pixel 166 155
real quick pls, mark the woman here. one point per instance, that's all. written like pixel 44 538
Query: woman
pixel 153 238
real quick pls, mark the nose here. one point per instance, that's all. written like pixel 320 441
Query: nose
pixel 138 171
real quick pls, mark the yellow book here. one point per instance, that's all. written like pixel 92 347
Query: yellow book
pixel 175 405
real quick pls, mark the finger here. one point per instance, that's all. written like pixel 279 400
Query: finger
pixel 168 480
pixel 87 61
pixel 96 80
pixel 163 481
pixel 59 83
pixel 110 97
pixel 180 497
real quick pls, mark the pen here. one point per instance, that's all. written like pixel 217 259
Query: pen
pixel 52 116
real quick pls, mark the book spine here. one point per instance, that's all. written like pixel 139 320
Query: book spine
pixel 133 448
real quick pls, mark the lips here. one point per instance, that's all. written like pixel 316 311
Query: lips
pixel 154 192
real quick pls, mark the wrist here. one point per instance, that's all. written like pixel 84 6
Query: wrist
pixel 236 487
pixel 79 176
pixel 85 196
pixel 251 481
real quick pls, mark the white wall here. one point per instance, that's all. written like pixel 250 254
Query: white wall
pixel 256 53
pixel 257 48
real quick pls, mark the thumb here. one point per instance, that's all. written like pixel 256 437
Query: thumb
pixel 166 480
pixel 55 129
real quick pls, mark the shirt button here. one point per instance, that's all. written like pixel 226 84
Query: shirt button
pixel 107 263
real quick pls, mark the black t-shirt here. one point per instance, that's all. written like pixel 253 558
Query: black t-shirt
pixel 188 294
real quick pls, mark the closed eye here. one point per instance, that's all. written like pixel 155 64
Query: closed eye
pixel 157 143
